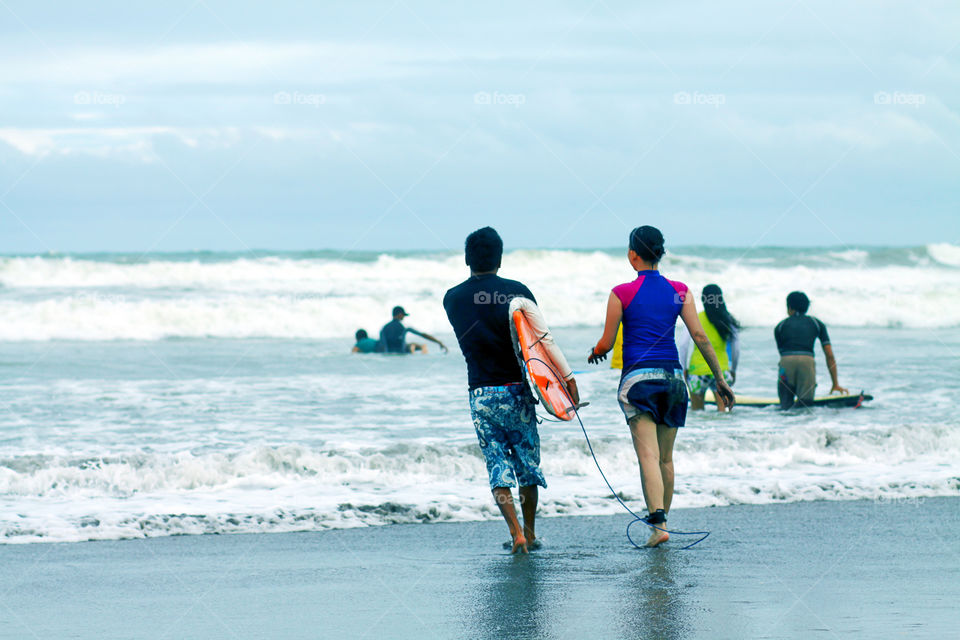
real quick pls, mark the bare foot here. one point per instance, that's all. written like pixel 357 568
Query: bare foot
pixel 531 537
pixel 519 544
pixel 657 537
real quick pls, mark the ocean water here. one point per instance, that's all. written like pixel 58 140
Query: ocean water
pixel 148 395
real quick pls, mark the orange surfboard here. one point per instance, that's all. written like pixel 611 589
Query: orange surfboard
pixel 539 368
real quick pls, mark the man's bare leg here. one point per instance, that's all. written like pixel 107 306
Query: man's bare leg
pixel 644 432
pixel 504 498
pixel 528 505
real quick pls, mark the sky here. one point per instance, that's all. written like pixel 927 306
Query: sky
pixel 226 126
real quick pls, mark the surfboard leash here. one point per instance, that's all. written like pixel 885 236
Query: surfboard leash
pixel 704 534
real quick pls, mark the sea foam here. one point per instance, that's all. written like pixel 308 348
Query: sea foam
pixel 278 296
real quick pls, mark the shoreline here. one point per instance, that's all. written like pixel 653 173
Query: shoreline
pixel 781 570
pixel 493 516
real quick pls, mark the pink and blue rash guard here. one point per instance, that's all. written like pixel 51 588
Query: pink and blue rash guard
pixel 651 306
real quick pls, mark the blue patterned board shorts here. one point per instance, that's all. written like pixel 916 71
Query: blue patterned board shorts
pixel 506 422
pixel 660 392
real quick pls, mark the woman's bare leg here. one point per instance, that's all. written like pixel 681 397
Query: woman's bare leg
pixel 644 432
pixel 654 474
pixel 697 401
pixel 666 436
pixel 720 404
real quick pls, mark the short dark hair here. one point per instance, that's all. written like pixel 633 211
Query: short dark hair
pixel 361 334
pixel 483 250
pixel 647 242
pixel 798 301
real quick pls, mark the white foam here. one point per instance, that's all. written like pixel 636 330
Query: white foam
pixel 64 298
pixel 68 497
pixel 944 253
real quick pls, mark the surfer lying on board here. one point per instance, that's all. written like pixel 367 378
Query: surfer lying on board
pixel 723 330
pixel 364 343
pixel 652 394
pixel 501 403
pixel 796 335
pixel 393 336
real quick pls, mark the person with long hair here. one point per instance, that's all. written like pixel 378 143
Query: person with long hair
pixel 652 393
pixel 723 331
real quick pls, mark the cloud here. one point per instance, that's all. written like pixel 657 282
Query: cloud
pixel 109 141
pixel 322 104
pixel 866 129
pixel 214 64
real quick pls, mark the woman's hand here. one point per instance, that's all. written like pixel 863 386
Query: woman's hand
pixel 838 389
pixel 596 358
pixel 725 393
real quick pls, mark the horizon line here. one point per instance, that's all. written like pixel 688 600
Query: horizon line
pixel 347 252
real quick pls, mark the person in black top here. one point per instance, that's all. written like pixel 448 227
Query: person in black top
pixel 393 336
pixel 501 404
pixel 795 337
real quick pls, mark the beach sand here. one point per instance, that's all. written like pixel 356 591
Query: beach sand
pixel 821 569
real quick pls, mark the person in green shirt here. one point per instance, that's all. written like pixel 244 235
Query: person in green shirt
pixel 723 330
pixel 365 344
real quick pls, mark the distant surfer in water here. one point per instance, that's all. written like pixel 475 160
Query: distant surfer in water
pixel 723 330
pixel 364 343
pixel 393 336
pixel 796 335
pixel 652 394
pixel 501 404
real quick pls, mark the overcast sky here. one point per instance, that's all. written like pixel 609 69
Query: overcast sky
pixel 404 125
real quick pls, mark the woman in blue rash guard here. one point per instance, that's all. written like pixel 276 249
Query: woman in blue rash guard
pixel 652 393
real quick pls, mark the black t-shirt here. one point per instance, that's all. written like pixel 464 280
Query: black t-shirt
pixel 393 337
pixel 478 309
pixel 796 335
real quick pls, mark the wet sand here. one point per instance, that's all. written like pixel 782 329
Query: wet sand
pixel 824 569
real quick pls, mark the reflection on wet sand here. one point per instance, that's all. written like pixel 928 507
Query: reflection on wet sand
pixel 511 600
pixel 653 604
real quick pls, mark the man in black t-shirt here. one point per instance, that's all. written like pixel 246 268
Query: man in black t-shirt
pixel 796 335
pixel 393 336
pixel 500 401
